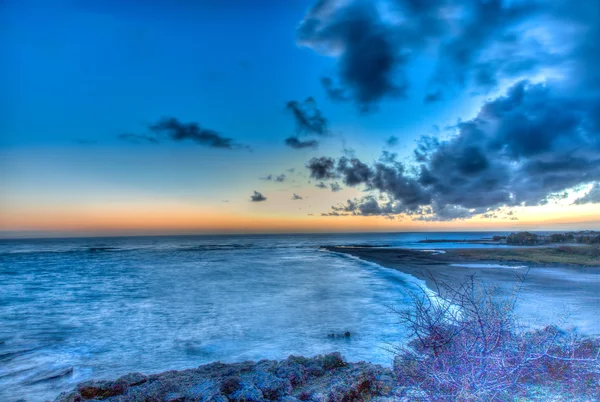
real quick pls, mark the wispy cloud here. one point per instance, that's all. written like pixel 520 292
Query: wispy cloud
pixel 171 129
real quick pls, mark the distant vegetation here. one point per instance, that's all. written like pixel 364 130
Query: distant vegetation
pixel 573 254
pixel 533 239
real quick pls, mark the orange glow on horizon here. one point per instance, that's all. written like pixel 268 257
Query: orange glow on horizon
pixel 186 219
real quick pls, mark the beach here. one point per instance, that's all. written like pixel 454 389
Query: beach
pixel 566 295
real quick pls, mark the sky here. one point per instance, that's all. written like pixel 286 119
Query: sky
pixel 181 117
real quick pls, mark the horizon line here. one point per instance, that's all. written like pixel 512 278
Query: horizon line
pixel 65 236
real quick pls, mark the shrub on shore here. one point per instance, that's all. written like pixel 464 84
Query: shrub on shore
pixel 533 239
pixel 467 345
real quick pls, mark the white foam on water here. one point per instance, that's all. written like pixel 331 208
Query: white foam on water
pixel 434 252
pixel 489 266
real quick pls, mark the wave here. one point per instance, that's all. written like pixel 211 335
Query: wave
pixel 187 248
pixel 102 248
pixel 488 266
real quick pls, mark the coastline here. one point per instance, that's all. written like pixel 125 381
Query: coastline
pixel 566 295
pixel 330 377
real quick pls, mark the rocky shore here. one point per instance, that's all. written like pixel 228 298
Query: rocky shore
pixel 321 378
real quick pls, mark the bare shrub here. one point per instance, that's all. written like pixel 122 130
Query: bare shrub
pixel 466 345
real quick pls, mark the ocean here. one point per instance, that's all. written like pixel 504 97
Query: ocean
pixel 77 309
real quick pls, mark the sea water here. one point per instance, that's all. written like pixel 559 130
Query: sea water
pixel 77 309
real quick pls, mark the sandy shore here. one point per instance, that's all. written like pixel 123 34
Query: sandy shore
pixel 568 296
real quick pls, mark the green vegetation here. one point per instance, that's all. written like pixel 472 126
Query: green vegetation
pixel 588 255
pixel 533 239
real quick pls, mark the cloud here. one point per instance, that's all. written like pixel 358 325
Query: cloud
pixel 321 168
pixel 334 213
pixel 257 197
pixel 169 128
pixel 520 149
pixel 296 197
pixel 334 93
pixel 474 44
pixel 365 47
pixel 592 197
pixel 392 141
pixel 366 206
pixel 353 171
pixel 295 143
pixel 138 138
pixel 279 178
pixel 309 119
pixel 433 97
pixel 335 187
pixel 309 122
pixel 321 185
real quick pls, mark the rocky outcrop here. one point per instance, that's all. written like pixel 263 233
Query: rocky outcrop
pixel 322 378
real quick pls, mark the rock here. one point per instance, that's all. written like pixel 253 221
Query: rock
pixel 271 386
pixel 321 378
pixel 174 397
pixel 230 385
pixel 100 389
pixel 332 361
pixel 132 379
pixel 249 393
pixel 294 372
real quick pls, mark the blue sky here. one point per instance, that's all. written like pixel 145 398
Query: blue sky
pixel 77 74
pixel 92 69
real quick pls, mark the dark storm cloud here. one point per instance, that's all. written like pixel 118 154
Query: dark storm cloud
pixel 321 168
pixel 309 119
pixel 523 148
pixel 368 54
pixel 353 171
pixel 296 197
pixel 295 143
pixel 366 206
pixel 257 197
pixel 592 197
pixel 476 43
pixel 520 149
pixel 489 27
pixel 169 128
